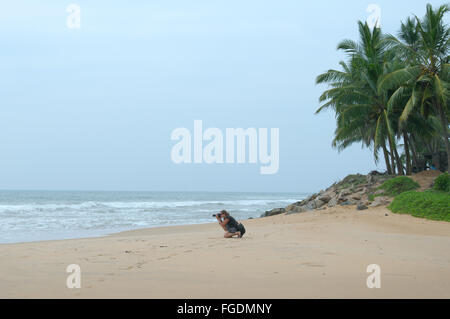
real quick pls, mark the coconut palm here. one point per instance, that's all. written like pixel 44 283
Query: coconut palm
pixel 425 79
pixel 360 106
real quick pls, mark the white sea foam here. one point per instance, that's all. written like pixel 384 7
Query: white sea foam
pixel 28 216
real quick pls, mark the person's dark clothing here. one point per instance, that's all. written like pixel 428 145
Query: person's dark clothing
pixel 232 225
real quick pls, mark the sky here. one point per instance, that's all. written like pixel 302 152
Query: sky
pixel 93 108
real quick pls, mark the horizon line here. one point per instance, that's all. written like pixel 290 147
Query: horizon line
pixel 155 191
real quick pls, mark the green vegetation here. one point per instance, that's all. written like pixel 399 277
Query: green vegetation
pixel 352 181
pixel 430 205
pixel 442 183
pixel 398 185
pixel 392 94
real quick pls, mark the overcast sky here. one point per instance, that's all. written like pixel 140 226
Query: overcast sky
pixel 93 108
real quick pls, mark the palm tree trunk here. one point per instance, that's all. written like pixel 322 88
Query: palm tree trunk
pixel 399 163
pixel 444 123
pixel 407 154
pixel 415 160
pixel 391 151
pixel 386 159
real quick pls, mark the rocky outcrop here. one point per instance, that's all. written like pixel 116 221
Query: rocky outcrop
pixel 362 207
pixel 380 201
pixel 352 190
pixel 274 212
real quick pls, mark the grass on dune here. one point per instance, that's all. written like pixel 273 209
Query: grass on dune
pixel 398 185
pixel 430 204
pixel 442 183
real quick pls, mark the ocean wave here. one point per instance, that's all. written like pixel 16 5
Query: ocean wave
pixel 57 215
pixel 89 205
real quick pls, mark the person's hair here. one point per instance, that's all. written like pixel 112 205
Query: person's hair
pixel 224 212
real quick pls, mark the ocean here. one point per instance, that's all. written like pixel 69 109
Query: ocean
pixel 50 215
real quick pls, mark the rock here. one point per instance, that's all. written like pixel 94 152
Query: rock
pixel 325 198
pixel 363 191
pixel 342 199
pixel 291 207
pixel 273 212
pixel 362 207
pixel 310 206
pixel 379 192
pixel 303 209
pixel 352 190
pixel 364 198
pixel 380 201
pixel 298 210
pixel 309 199
pixel 333 202
pixel 318 203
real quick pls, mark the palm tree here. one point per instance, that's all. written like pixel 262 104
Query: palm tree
pixel 424 44
pixel 360 105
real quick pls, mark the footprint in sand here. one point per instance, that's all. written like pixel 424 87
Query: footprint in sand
pixel 166 257
pixel 330 254
pixel 312 264
pixel 127 268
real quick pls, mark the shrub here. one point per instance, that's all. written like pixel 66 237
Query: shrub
pixel 430 205
pixel 398 185
pixel 442 183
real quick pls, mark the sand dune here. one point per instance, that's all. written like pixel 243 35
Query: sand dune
pixel 311 255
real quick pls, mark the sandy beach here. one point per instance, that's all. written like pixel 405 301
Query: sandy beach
pixel 311 255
